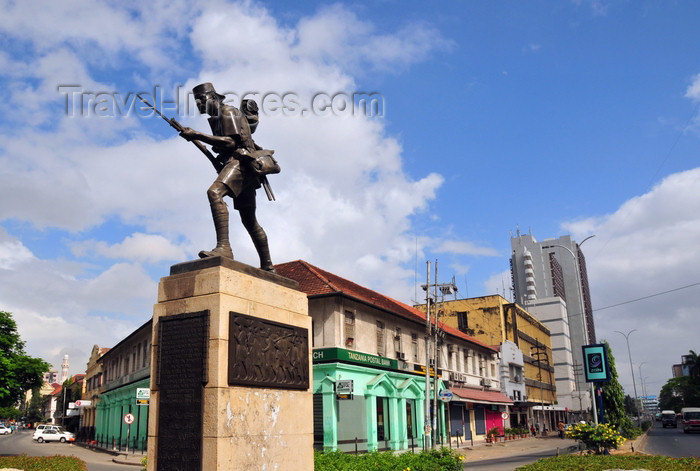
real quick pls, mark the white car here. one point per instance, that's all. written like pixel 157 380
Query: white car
pixel 42 427
pixel 4 430
pixel 53 435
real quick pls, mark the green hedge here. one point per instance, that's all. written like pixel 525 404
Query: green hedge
pixel 443 459
pixel 606 462
pixel 43 463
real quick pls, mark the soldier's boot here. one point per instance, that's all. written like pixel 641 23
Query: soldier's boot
pixel 223 248
pixel 260 241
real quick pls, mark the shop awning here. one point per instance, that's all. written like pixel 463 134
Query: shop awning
pixel 481 397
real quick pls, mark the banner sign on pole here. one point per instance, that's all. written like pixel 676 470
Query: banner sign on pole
pixel 595 360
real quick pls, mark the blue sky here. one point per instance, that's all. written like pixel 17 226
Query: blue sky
pixel 570 117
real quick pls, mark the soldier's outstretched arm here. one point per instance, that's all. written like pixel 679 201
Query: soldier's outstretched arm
pixel 216 141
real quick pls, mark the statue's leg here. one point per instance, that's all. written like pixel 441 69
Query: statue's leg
pixel 250 222
pixel 219 212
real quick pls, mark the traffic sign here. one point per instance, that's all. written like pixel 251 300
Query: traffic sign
pixel 504 416
pixel 129 418
pixel 446 395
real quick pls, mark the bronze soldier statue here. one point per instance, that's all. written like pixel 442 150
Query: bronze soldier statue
pixel 239 165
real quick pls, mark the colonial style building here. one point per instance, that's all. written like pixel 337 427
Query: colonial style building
pixel 527 365
pixel 369 370
pixel 91 396
pixel 126 367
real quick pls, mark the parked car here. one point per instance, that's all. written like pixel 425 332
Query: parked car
pixel 52 435
pixel 4 430
pixel 43 426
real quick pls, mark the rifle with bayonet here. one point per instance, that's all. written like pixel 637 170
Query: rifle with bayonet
pixel 218 165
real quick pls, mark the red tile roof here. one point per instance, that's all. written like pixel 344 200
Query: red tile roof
pixel 484 397
pixel 315 281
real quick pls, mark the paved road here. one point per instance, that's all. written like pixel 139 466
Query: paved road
pixel 672 442
pixel 21 442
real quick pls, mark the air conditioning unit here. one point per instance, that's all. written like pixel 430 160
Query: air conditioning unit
pixel 524 398
pixel 486 382
pixel 401 355
pixel 512 398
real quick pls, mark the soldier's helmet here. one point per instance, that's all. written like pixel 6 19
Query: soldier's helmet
pixel 206 88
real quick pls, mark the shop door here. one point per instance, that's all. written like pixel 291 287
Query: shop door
pixel 456 420
pixel 480 420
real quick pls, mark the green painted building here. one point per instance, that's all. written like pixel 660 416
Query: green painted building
pixel 366 402
pixel 369 361
pixel 126 368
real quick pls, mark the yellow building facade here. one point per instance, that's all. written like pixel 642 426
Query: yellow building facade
pixel 493 320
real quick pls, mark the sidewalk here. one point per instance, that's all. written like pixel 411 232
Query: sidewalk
pixel 522 446
pixel 120 457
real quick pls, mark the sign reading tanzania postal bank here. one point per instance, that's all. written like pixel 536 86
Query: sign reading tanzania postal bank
pixel 325 355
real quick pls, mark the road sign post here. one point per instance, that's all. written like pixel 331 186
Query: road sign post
pixel 128 420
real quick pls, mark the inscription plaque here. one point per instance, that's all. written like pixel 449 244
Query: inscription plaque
pixel 180 375
pixel 267 354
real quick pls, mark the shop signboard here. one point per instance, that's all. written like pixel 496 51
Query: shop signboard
pixel 344 389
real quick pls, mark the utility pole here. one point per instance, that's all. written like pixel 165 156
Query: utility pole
pixel 426 424
pixel 436 333
pixel 537 354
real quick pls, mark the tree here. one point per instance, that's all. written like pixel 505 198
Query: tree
pixel 35 409
pixel 677 393
pixel 18 372
pixel 614 400
pixel 693 365
pixel 631 407
pixel 682 391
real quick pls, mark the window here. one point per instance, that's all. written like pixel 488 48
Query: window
pixel 411 419
pixel 462 322
pixel 516 373
pixel 381 351
pixel 414 347
pixel 349 329
pixel 397 342
pixel 382 418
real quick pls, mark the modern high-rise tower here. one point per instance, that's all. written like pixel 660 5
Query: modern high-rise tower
pixel 551 282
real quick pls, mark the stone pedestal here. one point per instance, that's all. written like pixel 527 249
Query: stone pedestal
pixel 230 371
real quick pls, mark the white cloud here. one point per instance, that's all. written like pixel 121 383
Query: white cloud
pixel 464 248
pixel 140 247
pixel 12 252
pixel 643 249
pixel 114 192
pixel 693 90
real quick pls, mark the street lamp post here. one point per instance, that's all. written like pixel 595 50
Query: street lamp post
pixel 644 389
pixel 629 353
pixel 583 314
